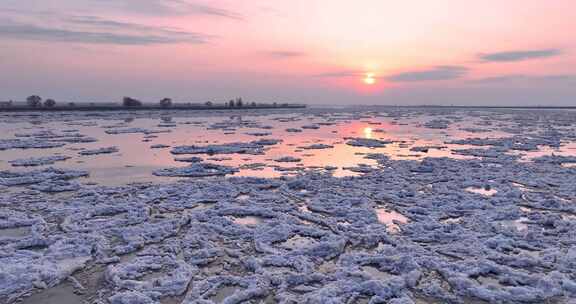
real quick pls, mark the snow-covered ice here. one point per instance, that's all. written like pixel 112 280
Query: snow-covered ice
pixel 38 161
pixel 466 220
pixel 105 150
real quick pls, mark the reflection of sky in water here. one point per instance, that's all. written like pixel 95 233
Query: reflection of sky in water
pixel 482 191
pixel 389 217
pixel 247 220
pixel 136 160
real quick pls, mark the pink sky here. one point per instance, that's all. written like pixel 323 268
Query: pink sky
pixel 311 51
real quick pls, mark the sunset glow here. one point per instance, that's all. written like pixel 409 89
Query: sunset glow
pixel 287 151
pixel 369 79
pixel 422 52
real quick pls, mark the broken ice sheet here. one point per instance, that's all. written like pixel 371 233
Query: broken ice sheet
pixel 312 237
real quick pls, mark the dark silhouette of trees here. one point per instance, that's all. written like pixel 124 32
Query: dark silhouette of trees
pixel 166 103
pixel 6 104
pixel 71 104
pixel 49 103
pixel 239 102
pixel 131 102
pixel 34 101
pixel 231 103
pixel 208 104
pixel 253 104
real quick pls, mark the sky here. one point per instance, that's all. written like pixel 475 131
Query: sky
pixel 410 52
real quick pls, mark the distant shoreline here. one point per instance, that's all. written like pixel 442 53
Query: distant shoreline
pixel 487 107
pixel 88 108
pixel 68 108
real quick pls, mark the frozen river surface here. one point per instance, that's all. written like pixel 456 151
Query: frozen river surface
pixel 380 205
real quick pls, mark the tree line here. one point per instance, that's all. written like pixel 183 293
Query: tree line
pixel 167 103
pixel 35 101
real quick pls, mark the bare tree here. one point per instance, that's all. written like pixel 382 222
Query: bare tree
pixel 49 103
pixel 34 101
pixel 131 102
pixel 166 103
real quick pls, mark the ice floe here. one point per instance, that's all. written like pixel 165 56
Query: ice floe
pixel 367 142
pixel 105 150
pixel 254 147
pixel 38 161
pixel 196 170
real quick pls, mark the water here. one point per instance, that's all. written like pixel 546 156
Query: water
pixel 61 294
pixel 482 191
pixel 390 218
pixel 297 242
pixel 375 273
pixel 247 220
pixel 18 232
pixel 136 160
pixel 224 292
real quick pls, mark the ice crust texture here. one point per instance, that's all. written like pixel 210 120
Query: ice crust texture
pixel 38 161
pixel 253 147
pixel 105 150
pixel 311 238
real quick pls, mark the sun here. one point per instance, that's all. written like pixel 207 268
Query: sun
pixel 368 132
pixel 369 79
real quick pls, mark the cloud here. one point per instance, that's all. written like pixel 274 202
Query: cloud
pixel 523 77
pixel 511 56
pixel 120 34
pixel 170 7
pixel 145 7
pixel 443 72
pixel 94 22
pixel 502 78
pixel 571 77
pixel 212 11
pixel 339 74
pixel 284 54
pixel 97 21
